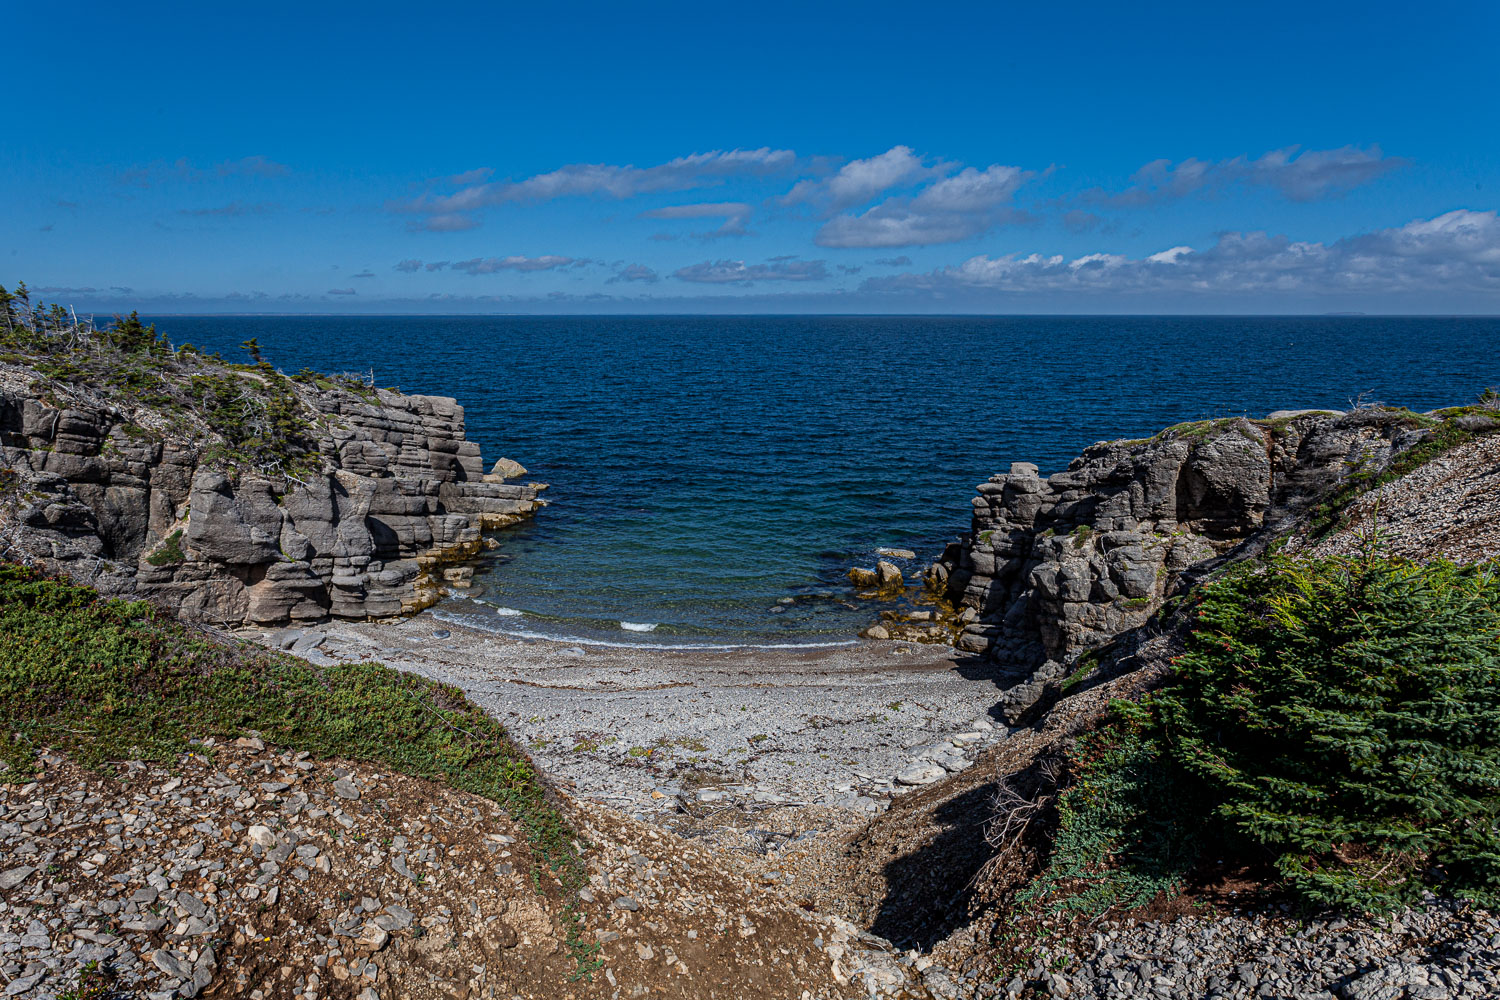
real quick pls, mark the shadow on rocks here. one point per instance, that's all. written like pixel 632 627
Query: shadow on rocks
pixel 1005 677
pixel 982 668
pixel 931 891
pixel 928 891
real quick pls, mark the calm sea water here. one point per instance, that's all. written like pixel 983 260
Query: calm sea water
pixel 713 479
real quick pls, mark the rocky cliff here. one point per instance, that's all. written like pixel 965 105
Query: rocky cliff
pixel 1055 566
pixel 149 499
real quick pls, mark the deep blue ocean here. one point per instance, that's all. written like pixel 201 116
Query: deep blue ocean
pixel 714 478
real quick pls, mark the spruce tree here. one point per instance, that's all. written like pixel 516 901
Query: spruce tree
pixel 1344 714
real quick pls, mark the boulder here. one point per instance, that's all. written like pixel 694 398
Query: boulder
pixel 505 468
pixel 921 774
pixel 888 576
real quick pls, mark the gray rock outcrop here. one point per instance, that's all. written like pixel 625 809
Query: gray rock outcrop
pixel 1055 566
pixel 400 492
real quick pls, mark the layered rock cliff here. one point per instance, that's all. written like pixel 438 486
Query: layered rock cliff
pixel 1054 567
pixel 140 499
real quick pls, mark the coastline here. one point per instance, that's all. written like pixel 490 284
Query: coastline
pixel 854 784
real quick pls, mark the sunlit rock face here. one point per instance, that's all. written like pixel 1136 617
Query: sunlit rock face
pixel 399 492
pixel 1053 567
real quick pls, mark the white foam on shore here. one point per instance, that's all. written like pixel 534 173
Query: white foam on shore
pixel 638 626
pixel 573 640
pixel 497 609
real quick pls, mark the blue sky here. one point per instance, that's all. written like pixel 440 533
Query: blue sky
pixel 1268 157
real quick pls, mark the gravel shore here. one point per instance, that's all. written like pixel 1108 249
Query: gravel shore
pixel 668 734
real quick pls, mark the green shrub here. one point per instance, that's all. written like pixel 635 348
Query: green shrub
pixel 1123 832
pixel 1344 714
pixel 170 552
pixel 262 422
pixel 246 416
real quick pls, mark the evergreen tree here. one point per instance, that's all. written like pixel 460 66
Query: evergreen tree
pixel 1345 714
pixel 132 336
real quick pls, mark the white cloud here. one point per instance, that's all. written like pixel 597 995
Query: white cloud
pixel 734 213
pixel 971 190
pixel 1455 252
pixel 604 180
pixel 448 222
pixel 737 272
pixel 1169 256
pixel 947 208
pixel 886 228
pixel 476 176
pixel 1314 174
pixel 858 181
pixel 492 265
pixel 634 272
pixel 955 208
pixel 710 210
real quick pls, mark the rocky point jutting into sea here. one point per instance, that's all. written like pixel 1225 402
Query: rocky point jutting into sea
pixel 1054 567
pixel 130 498
pixel 867 821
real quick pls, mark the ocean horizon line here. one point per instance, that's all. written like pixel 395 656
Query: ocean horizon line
pixel 151 313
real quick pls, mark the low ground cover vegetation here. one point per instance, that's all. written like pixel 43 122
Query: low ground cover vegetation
pixel 107 681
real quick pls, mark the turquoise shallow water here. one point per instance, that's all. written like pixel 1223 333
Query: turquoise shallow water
pixel 704 470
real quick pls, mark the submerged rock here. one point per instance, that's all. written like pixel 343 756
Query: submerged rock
pixel 884 579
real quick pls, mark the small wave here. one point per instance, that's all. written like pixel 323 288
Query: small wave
pixel 573 640
pixel 497 609
pixel 638 626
